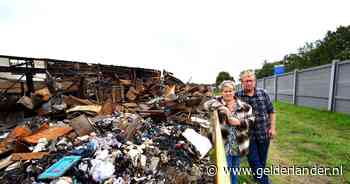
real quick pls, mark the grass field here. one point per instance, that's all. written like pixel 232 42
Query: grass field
pixel 306 137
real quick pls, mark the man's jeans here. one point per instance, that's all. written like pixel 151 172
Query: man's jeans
pixel 258 150
pixel 233 162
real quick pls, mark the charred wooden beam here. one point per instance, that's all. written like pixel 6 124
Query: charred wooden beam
pixel 22 70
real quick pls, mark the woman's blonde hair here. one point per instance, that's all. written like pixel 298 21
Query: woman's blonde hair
pixel 227 83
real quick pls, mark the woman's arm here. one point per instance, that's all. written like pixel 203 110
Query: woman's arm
pixel 231 120
pixel 214 104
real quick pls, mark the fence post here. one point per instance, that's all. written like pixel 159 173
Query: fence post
pixel 275 86
pixel 331 86
pixel 295 77
pixel 264 85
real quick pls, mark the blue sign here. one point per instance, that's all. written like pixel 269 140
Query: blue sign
pixel 279 69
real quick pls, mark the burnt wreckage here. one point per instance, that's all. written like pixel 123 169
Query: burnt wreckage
pixel 73 122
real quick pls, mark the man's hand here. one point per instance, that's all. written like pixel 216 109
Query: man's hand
pixel 272 132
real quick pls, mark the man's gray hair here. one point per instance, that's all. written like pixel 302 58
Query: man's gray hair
pixel 246 72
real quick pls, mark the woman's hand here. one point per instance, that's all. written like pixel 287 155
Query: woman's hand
pixel 234 121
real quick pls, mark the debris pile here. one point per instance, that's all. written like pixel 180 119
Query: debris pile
pixel 122 131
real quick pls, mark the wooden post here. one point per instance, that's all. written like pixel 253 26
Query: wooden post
pixel 30 83
pixel 222 176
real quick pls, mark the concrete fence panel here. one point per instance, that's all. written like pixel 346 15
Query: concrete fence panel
pixel 269 87
pixel 285 88
pixel 342 88
pixel 313 87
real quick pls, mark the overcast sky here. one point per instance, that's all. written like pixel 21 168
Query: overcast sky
pixel 191 38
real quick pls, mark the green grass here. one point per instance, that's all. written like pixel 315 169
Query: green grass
pixel 307 137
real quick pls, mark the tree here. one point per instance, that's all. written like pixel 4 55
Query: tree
pixel 265 71
pixel 223 76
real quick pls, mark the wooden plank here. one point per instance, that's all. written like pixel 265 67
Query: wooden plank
pixel 222 177
pixel 28 156
pixel 81 125
pixel 49 134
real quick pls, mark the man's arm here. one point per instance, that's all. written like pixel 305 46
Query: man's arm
pixel 272 116
pixel 272 130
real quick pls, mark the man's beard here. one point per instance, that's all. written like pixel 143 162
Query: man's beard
pixel 249 90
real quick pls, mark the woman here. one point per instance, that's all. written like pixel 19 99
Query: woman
pixel 239 117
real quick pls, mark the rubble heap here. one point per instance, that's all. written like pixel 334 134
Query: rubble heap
pixel 140 131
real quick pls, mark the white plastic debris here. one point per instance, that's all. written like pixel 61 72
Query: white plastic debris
pixel 41 146
pixel 62 180
pixel 102 154
pixel 26 101
pixel 201 143
pixel 3 136
pixel 202 122
pixel 165 130
pixel 154 164
pixel 164 157
pixel 143 160
pixel 83 138
pixel 134 155
pixel 13 166
pixel 101 170
pixel 119 180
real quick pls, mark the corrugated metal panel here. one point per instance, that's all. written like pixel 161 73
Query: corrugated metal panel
pixel 37 77
pixel 4 61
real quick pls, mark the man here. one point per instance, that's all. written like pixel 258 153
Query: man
pixel 264 128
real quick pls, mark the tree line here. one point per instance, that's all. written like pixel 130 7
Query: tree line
pixel 335 45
